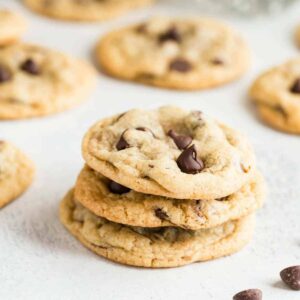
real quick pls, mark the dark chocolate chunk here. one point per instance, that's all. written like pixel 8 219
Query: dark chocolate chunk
pixel 291 277
pixel 30 67
pixel 295 88
pixel 252 294
pixel 180 65
pixel 171 34
pixel 122 144
pixel 188 161
pixel 181 141
pixel 5 75
pixel 161 214
pixel 117 188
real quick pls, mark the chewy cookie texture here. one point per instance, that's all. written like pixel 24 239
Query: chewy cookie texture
pixel 12 26
pixel 170 152
pixel 184 54
pixel 276 94
pixel 119 204
pixel 36 81
pixel 156 247
pixel 16 172
pixel 85 10
pixel 127 204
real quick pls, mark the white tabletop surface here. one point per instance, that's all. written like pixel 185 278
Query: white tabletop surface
pixel 39 259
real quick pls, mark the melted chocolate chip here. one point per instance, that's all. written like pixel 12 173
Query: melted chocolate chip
pixel 188 161
pixel 5 75
pixel 161 214
pixel 180 65
pixel 252 294
pixel 30 67
pixel 117 188
pixel 181 141
pixel 171 34
pixel 295 88
pixel 291 277
pixel 122 144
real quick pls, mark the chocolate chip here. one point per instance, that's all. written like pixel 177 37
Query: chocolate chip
pixel 117 188
pixel 30 67
pixel 161 214
pixel 252 294
pixel 217 61
pixel 188 161
pixel 181 141
pixel 180 65
pixel 291 277
pixel 295 88
pixel 5 75
pixel 122 144
pixel 171 34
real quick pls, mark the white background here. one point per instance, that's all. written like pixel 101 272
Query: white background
pixel 40 260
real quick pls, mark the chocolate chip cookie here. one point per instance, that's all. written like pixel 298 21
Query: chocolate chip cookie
pixel 16 172
pixel 152 247
pixel 175 53
pixel 276 94
pixel 112 201
pixel 170 152
pixel 36 81
pixel 85 10
pixel 12 26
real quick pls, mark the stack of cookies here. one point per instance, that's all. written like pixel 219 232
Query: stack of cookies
pixel 164 188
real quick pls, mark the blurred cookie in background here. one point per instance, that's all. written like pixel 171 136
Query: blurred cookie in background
pixel 276 94
pixel 16 172
pixel 12 26
pixel 36 81
pixel 187 54
pixel 85 10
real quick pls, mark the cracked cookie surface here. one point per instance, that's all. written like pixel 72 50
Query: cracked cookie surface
pixel 12 26
pixel 170 152
pixel 36 81
pixel 16 172
pixel 155 248
pixel 175 53
pixel 276 94
pixel 111 201
pixel 85 10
